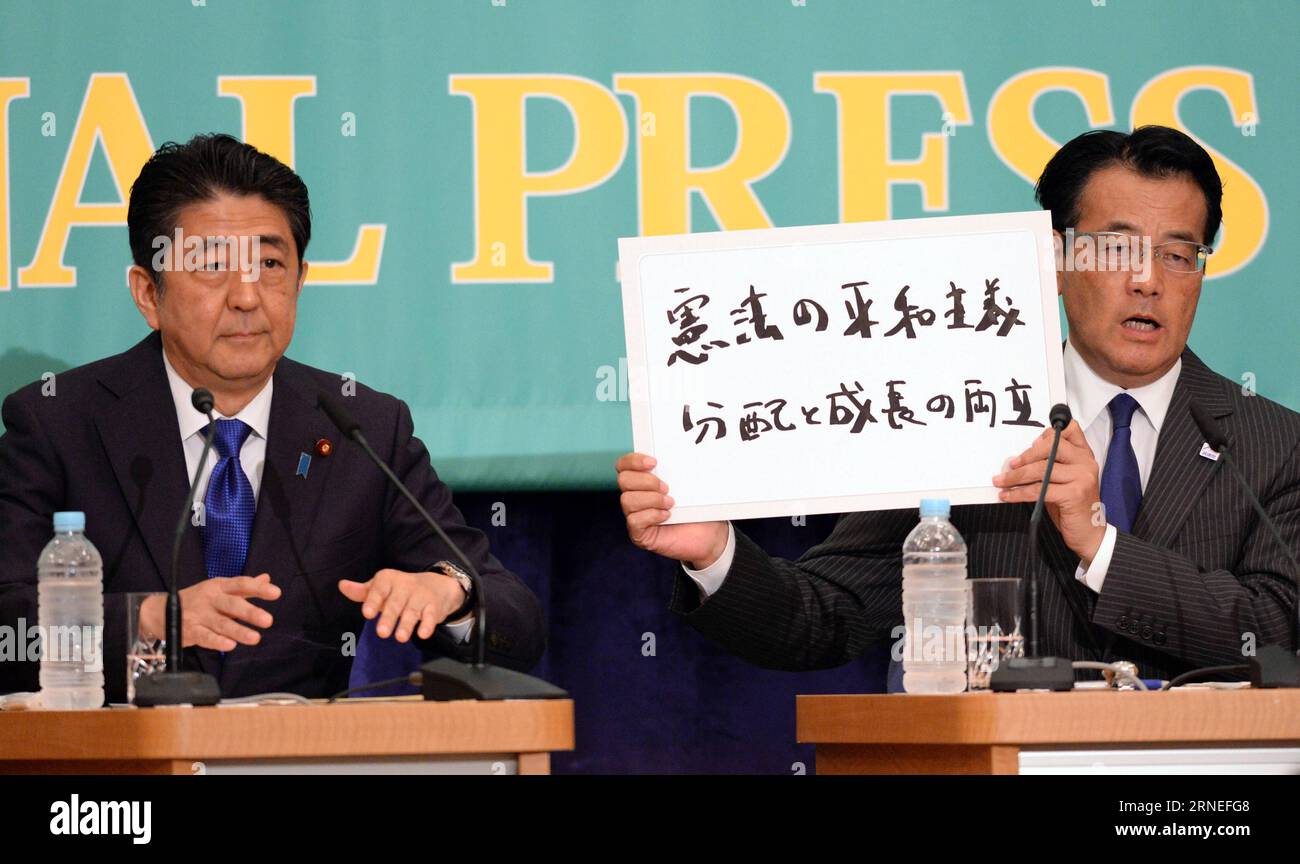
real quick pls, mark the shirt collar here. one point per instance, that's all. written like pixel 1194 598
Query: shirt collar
pixel 1089 394
pixel 257 413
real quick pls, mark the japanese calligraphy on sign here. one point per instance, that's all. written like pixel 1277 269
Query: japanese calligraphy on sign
pixel 840 367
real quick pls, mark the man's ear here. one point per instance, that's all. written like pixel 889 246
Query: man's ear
pixel 302 274
pixel 145 293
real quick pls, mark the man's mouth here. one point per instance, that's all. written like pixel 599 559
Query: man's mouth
pixel 1141 323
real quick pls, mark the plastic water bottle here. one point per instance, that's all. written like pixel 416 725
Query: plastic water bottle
pixel 935 600
pixel 70 593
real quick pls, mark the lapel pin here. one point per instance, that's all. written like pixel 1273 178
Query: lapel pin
pixel 324 448
pixel 304 465
pixel 1208 453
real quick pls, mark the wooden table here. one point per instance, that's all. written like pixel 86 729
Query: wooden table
pixel 1011 733
pixel 360 735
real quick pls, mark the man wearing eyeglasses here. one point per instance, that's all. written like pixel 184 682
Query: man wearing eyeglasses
pixel 1154 555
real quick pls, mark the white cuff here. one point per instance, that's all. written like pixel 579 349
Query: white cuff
pixel 461 630
pixel 1095 573
pixel 710 579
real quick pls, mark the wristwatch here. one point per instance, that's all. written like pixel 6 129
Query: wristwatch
pixel 466 584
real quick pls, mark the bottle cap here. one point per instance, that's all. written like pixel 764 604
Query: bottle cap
pixel 70 520
pixel 934 507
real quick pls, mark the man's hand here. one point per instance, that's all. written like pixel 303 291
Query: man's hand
pixel 646 503
pixel 211 612
pixel 406 601
pixel 1073 496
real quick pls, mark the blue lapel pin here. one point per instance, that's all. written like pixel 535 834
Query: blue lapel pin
pixel 304 464
pixel 1208 453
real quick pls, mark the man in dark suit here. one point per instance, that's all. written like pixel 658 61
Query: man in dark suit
pixel 299 540
pixel 1155 555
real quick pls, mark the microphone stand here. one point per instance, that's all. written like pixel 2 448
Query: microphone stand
pixel 1033 672
pixel 175 686
pixel 445 678
pixel 1273 666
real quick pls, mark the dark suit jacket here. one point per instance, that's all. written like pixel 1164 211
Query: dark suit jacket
pixel 1198 581
pixel 107 443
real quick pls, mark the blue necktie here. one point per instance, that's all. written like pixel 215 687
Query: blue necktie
pixel 1121 484
pixel 229 506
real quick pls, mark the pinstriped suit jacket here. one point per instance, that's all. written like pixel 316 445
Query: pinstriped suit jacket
pixel 1198 581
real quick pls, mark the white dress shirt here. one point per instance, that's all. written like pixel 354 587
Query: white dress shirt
pixel 257 414
pixel 1088 395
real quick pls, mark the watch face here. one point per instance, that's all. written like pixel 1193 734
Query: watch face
pixel 459 575
pixel 466 583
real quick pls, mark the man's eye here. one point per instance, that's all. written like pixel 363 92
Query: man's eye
pixel 271 262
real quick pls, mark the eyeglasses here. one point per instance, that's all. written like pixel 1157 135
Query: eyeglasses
pixel 1116 250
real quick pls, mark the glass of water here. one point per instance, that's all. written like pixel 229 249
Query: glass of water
pixel 993 631
pixel 146 652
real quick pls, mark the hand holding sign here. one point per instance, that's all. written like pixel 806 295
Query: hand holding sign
pixel 647 505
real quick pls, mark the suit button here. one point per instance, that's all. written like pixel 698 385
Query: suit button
pixel 1160 638
pixel 1147 633
pixel 1122 623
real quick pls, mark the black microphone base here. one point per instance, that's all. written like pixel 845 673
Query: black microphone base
pixel 446 680
pixel 1032 673
pixel 1274 666
pixel 176 688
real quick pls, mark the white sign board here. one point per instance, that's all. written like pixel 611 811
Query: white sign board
pixel 836 368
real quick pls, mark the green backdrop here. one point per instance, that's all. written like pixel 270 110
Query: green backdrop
pixel 506 380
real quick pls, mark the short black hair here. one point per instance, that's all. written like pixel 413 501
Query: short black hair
pixel 1152 151
pixel 178 175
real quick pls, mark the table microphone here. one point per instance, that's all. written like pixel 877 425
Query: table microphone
pixel 446 679
pixel 1033 672
pixel 1272 665
pixel 174 686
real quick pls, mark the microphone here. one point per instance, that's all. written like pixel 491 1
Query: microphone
pixel 202 401
pixel 175 686
pixel 446 679
pixel 1272 665
pixel 1212 431
pixel 1033 672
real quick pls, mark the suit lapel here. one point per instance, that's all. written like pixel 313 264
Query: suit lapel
pixel 287 502
pixel 1179 472
pixel 141 440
